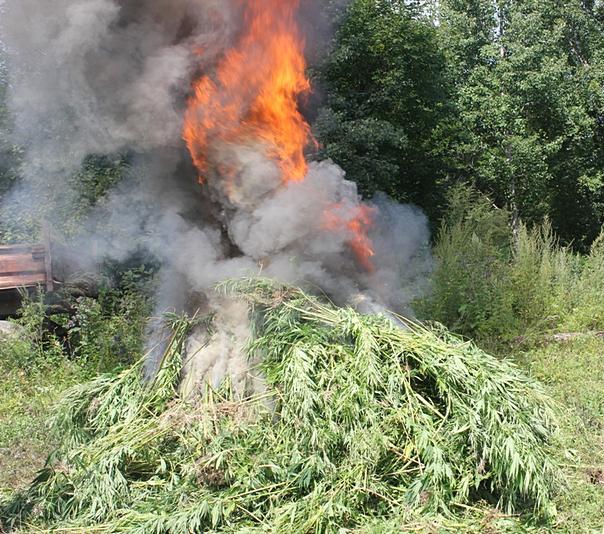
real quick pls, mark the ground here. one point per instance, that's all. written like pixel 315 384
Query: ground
pixel 574 374
pixel 26 400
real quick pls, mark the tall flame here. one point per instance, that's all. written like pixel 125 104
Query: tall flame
pixel 252 98
pixel 253 95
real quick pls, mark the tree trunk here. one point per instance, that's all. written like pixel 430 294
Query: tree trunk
pixel 515 220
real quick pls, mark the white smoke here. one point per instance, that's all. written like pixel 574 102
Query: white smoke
pixel 100 76
pixel 109 76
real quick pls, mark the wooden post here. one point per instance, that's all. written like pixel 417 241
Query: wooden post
pixel 47 257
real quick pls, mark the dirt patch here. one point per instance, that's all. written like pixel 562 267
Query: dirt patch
pixel 595 475
pixel 20 463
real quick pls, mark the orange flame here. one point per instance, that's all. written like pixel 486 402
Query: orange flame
pixel 253 98
pixel 253 95
pixel 358 223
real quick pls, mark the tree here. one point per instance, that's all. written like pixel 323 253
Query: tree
pixel 386 96
pixel 465 28
pixel 529 109
pixel 9 152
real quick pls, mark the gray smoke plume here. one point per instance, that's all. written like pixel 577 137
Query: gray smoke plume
pixel 110 76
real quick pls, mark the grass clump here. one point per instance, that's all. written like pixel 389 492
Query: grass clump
pixel 108 331
pixel 34 374
pixel 26 401
pixel 364 422
pixel 46 355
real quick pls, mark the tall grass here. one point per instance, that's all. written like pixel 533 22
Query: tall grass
pixel 487 287
pixel 586 311
pixel 363 422
pixel 49 354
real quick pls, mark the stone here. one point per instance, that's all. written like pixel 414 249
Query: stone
pixel 8 329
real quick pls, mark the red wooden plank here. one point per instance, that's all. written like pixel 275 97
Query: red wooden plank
pixel 28 280
pixel 21 249
pixel 25 265
pixel 21 263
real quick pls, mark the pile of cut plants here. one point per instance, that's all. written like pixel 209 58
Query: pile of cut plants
pixel 362 422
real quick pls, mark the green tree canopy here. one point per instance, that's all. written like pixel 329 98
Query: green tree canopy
pixel 386 95
pixel 504 94
pixel 529 102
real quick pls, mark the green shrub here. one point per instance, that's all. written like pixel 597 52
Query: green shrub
pixel 587 302
pixel 109 331
pixel 541 277
pixel 107 337
pixel 472 251
pixel 32 347
pixel 37 366
pixel 67 207
pixel 488 287
pixel 103 333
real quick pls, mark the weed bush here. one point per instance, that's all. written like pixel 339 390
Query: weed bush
pixel 35 371
pixel 362 420
pixel 472 250
pixel 31 347
pixel 101 334
pixel 587 305
pixel 109 330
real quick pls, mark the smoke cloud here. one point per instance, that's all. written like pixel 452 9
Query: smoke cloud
pixel 112 76
pixel 100 76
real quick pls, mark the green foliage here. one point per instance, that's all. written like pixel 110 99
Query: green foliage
pixel 32 347
pixel 101 334
pixel 10 154
pixel 467 26
pixel 27 397
pixel 34 372
pixel 574 374
pixel 362 421
pixel 83 191
pixel 504 95
pixel 471 252
pixel 66 208
pixel 109 330
pixel 385 97
pixel 10 161
pixel 484 286
pixel 587 308
pixel 528 125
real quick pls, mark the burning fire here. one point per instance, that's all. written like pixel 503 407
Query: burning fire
pixel 253 95
pixel 252 98
pixel 358 221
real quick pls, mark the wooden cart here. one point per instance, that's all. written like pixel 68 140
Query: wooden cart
pixel 23 267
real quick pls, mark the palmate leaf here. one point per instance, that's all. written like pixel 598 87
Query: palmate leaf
pixel 362 420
